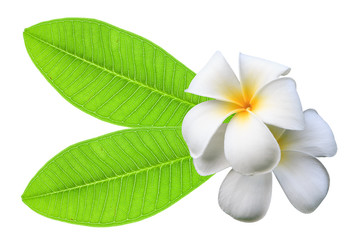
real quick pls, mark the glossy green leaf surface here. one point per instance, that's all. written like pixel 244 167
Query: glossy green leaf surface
pixel 112 74
pixel 115 179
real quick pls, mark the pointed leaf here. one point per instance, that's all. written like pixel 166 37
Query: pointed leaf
pixel 115 179
pixel 111 74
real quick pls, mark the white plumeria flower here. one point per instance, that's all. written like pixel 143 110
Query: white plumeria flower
pixel 303 178
pixel 246 143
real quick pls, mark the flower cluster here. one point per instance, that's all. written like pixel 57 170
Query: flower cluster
pixel 267 132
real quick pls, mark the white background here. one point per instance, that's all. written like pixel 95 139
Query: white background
pixel 318 39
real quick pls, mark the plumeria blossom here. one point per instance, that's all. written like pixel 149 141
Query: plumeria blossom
pixel 303 178
pixel 260 97
pixel 268 132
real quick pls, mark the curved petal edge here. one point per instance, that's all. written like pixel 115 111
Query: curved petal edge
pixel 304 180
pixel 246 198
pixel 213 159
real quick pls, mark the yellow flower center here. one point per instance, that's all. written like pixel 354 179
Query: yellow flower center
pixel 246 106
pixel 247 100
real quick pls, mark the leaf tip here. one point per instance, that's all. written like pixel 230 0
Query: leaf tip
pixel 25 33
pixel 25 30
pixel 23 196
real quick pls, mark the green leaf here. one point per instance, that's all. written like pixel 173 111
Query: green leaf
pixel 115 179
pixel 111 74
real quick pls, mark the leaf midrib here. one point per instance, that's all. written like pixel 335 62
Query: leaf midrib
pixel 110 71
pixel 107 179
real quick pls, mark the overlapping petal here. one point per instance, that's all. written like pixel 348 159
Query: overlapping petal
pixel 278 103
pixel 213 159
pixel 316 139
pixel 201 123
pixel 276 131
pixel 304 180
pixel 217 80
pixel 256 72
pixel 250 147
pixel 246 198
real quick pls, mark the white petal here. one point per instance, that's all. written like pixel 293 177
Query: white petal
pixel 250 147
pixel 256 72
pixel 202 121
pixel 278 103
pixel 213 159
pixel 316 139
pixel 246 198
pixel 304 180
pixel 217 80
